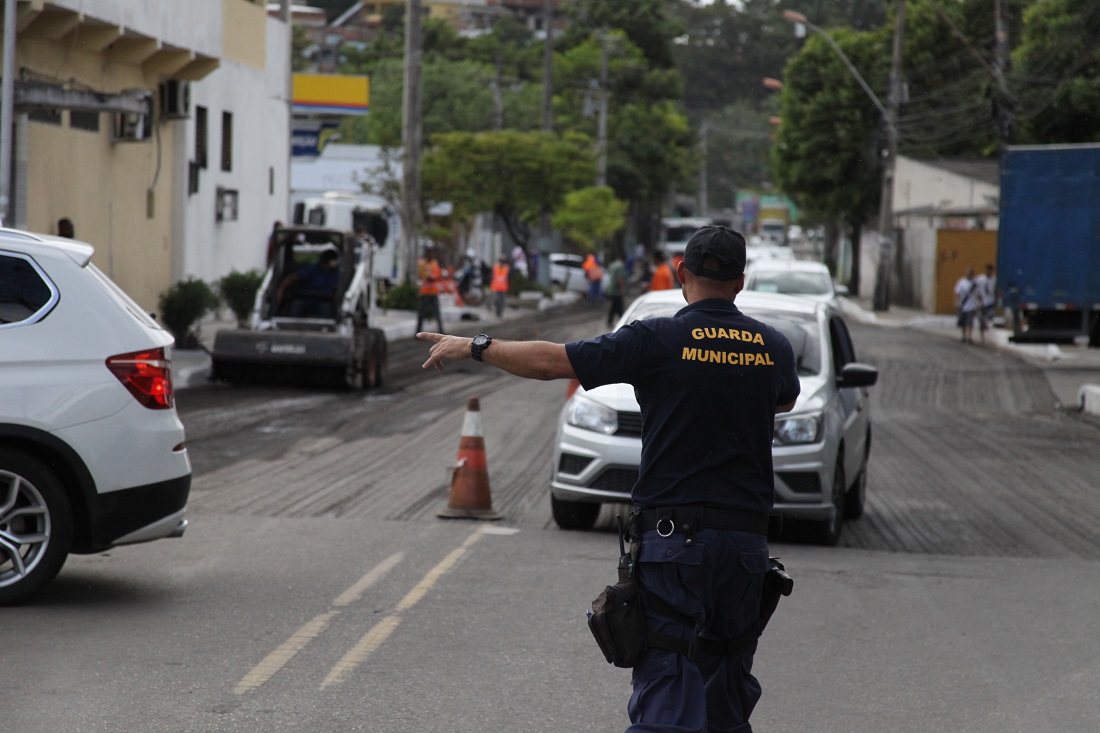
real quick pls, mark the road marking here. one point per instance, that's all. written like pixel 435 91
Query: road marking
pixel 369 642
pixel 353 593
pixel 362 649
pixel 276 660
pixel 382 630
pixel 286 651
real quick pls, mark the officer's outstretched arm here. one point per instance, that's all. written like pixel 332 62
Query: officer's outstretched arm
pixel 541 360
pixel 784 408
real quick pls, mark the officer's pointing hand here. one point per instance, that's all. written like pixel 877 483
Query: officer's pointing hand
pixel 455 348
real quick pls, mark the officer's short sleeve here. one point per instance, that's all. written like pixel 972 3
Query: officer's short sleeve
pixel 608 359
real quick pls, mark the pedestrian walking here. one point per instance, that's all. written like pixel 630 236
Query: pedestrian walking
pixel 661 279
pixel 431 278
pixel 705 486
pixel 499 284
pixel 594 272
pixel 987 291
pixel 616 289
pixel 968 300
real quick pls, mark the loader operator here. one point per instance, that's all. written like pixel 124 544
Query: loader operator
pixel 311 288
pixel 705 485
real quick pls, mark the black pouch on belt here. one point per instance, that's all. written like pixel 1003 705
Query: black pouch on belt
pixel 617 623
pixel 616 618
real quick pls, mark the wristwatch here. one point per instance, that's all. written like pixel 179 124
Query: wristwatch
pixel 478 345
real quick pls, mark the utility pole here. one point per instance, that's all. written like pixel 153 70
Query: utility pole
pixel 601 135
pixel 1000 67
pixel 410 209
pixel 548 67
pixel 703 193
pixel 547 125
pixel 886 206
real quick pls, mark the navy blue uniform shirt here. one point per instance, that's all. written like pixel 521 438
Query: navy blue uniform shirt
pixel 708 381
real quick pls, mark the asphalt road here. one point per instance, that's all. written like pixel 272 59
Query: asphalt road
pixel 318 590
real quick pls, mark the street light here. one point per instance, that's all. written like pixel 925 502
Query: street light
pixel 889 115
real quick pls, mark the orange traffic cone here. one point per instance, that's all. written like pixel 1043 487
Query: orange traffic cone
pixel 470 498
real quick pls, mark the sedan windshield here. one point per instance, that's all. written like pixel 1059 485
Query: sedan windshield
pixel 791 283
pixel 802 331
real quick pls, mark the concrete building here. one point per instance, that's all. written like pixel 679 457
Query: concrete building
pixel 160 128
pixel 946 216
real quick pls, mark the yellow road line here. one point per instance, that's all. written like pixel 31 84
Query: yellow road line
pixel 382 630
pixel 277 659
pixel 362 649
pixel 353 593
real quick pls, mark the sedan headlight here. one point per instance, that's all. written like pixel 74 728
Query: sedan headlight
pixel 584 413
pixel 797 430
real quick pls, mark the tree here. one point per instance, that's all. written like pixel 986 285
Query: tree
pixel 1056 70
pixel 827 152
pixel 514 175
pixel 590 216
pixel 646 23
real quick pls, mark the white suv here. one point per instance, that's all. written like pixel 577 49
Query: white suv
pixel 91 449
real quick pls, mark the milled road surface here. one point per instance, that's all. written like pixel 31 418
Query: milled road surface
pixel 970 454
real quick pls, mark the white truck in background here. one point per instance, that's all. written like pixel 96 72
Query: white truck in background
pixel 360 212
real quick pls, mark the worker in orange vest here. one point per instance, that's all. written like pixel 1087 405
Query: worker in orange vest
pixel 499 283
pixel 662 273
pixel 430 278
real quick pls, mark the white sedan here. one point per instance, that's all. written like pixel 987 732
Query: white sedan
pixel 819 449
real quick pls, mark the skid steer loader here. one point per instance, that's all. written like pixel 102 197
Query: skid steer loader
pixel 299 336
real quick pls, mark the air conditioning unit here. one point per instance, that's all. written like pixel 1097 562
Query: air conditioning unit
pixel 175 100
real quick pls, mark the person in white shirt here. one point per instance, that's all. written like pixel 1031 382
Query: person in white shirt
pixel 987 290
pixel 968 300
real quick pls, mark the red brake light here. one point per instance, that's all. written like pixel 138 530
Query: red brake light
pixel 569 390
pixel 148 376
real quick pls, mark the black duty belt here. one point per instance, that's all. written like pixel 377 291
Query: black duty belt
pixel 690 519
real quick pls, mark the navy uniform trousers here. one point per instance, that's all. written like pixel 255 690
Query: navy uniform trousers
pixel 717 580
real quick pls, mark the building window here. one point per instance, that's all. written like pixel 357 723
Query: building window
pixel 84 120
pixel 227 141
pixel 192 177
pixel 200 137
pixel 48 115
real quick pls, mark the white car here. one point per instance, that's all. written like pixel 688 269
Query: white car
pixel 794 277
pixel 92 450
pixel 567 273
pixel 819 449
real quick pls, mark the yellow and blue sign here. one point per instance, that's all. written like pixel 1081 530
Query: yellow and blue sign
pixel 331 94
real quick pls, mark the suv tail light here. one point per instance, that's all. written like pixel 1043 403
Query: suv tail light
pixel 148 376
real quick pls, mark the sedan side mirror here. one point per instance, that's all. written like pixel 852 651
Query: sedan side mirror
pixel 857 375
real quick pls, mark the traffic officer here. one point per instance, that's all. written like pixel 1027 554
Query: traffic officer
pixel 430 278
pixel 709 381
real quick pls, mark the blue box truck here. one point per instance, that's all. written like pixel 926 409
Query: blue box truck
pixel 1048 243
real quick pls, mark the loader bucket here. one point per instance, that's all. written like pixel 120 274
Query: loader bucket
pixel 282 357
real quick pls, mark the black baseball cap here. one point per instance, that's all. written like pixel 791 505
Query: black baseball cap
pixel 715 252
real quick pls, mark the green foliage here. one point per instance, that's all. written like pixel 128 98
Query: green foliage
pixel 182 306
pixel 515 175
pixel 1056 72
pixel 590 216
pixel 646 23
pixel 405 296
pixel 238 291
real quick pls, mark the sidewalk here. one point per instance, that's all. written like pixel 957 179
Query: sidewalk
pixel 1072 371
pixel 191 367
